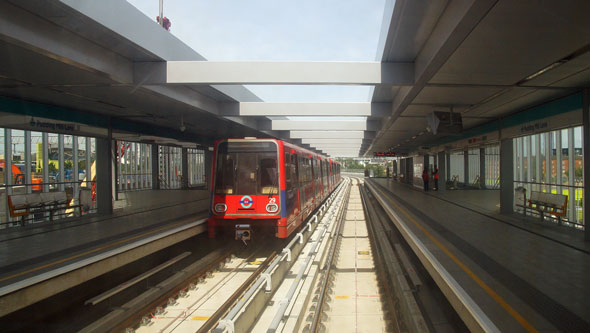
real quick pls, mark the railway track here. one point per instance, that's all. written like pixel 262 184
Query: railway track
pixel 224 291
pixel 345 270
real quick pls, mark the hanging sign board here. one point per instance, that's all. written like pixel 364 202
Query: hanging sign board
pixel 29 123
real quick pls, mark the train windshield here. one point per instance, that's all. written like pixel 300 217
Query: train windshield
pixel 247 167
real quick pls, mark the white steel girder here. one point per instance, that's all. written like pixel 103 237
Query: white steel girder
pixel 264 72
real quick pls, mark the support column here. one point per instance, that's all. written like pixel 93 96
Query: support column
pixel 448 166
pixel 208 167
pixel 426 167
pixel 442 171
pixel 586 149
pixel 184 167
pixel 104 182
pixel 466 179
pixel 8 177
pixel 506 176
pixel 155 167
pixel 482 168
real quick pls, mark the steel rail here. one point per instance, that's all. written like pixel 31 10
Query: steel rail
pixel 138 313
pixel 214 319
pixel 109 293
pixel 207 296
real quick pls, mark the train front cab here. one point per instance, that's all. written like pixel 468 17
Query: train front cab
pixel 247 189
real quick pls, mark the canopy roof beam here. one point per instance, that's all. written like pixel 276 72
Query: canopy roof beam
pixel 276 73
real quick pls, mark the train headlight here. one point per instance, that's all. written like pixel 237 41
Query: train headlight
pixel 272 208
pixel 220 208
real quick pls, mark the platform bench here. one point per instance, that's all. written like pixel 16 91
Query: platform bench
pixel 548 203
pixel 22 205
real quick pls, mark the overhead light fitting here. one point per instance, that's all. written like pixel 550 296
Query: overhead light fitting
pixel 558 63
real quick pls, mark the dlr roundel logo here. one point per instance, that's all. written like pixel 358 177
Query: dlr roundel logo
pixel 246 201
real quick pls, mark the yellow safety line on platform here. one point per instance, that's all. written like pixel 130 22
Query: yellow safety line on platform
pixel 88 252
pixel 519 318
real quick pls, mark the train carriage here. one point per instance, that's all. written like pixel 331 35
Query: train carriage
pixel 266 186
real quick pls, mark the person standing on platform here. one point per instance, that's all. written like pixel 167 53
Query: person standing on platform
pixel 425 178
pixel 435 176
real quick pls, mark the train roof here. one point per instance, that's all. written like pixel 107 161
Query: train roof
pixel 285 143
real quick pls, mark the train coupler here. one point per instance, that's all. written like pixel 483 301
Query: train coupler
pixel 243 232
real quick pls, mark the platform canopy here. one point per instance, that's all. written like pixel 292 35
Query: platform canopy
pixel 484 59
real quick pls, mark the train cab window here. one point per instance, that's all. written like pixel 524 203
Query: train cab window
pixel 269 180
pixel 246 173
pixel 224 181
pixel 246 167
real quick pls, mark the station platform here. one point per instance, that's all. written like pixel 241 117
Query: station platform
pixel 39 261
pixel 518 274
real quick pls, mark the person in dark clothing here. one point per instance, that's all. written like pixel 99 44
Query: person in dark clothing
pixel 435 176
pixel 425 178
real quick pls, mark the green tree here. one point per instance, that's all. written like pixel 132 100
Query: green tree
pixel 52 167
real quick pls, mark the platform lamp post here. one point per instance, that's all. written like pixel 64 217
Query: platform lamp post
pixel 161 13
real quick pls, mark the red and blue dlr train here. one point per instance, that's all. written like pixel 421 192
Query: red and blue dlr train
pixel 266 186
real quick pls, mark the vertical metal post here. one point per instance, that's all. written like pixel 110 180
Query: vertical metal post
pixel 75 166
pixel 45 144
pixel 482 168
pixel 161 13
pixel 28 162
pixel 571 170
pixel 60 158
pixel 586 154
pixel 442 171
pixel 559 161
pixel 520 154
pixel 506 176
pixel 155 167
pixel 8 160
pixel 184 168
pixel 88 163
pixel 448 164
pixel 466 167
pixel 529 169
pixel 117 160
pixel 538 162
pixel 548 167
pixel 141 169
pixel 529 150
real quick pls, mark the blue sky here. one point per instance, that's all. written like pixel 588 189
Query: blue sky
pixel 301 30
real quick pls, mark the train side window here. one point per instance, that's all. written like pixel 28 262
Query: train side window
pixel 295 170
pixel 288 178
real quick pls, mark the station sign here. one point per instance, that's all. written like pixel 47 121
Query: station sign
pixel 24 122
pixel 385 154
